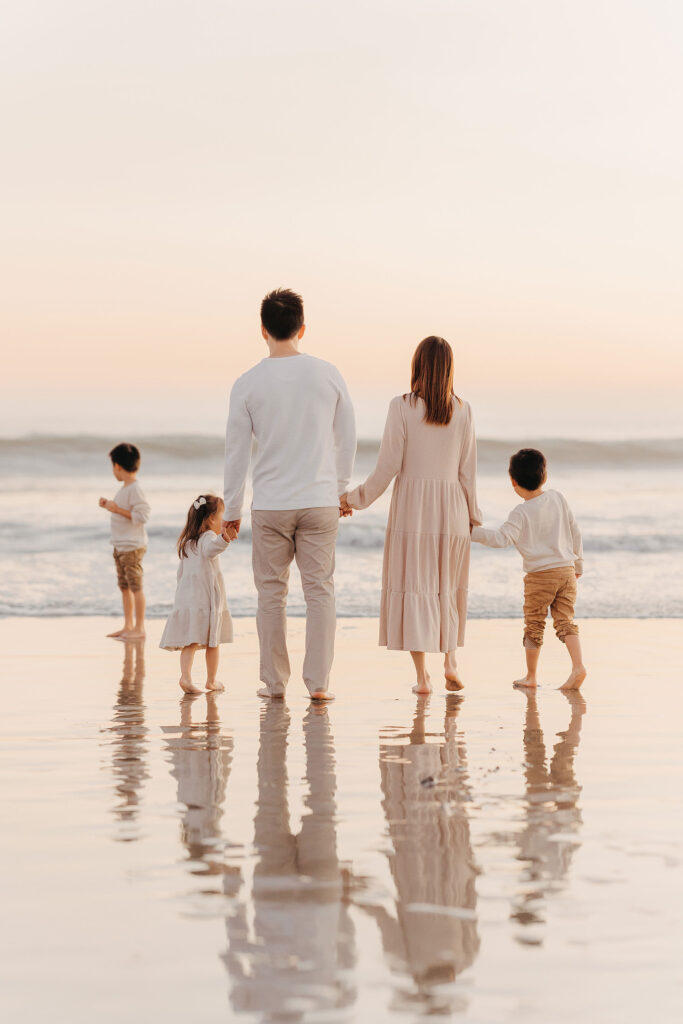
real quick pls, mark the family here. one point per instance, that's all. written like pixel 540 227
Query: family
pixel 298 411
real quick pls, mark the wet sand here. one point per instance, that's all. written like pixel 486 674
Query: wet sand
pixel 497 855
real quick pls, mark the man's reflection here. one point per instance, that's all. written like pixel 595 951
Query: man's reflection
pixel 296 956
pixel 553 817
pixel 129 742
pixel 201 756
pixel 433 936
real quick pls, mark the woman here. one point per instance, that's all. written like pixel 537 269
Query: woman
pixel 429 442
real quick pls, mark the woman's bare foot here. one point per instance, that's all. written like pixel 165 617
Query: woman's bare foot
pixel 213 684
pixel 576 677
pixel 117 632
pixel 132 634
pixel 322 695
pixel 450 671
pixel 530 682
pixel 454 683
pixel 423 687
pixel 187 686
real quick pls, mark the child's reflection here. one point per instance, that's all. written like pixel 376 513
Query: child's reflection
pixel 548 840
pixel 201 757
pixel 296 955
pixel 434 933
pixel 129 742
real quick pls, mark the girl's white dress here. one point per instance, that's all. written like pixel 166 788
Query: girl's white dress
pixel 200 611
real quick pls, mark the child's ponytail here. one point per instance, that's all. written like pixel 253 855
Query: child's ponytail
pixel 201 509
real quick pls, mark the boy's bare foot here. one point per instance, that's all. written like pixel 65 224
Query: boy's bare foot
pixel 454 683
pixel 214 685
pixel 576 677
pixel 117 632
pixel 530 682
pixel 322 695
pixel 265 692
pixel 187 686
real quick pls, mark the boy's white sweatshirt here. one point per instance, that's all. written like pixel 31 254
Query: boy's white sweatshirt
pixel 543 530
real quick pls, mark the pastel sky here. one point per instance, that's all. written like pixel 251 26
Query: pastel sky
pixel 505 174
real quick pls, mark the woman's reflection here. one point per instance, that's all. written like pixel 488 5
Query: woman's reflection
pixel 201 757
pixel 434 934
pixel 129 741
pixel 297 955
pixel 548 840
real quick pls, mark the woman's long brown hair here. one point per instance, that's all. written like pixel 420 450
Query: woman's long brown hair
pixel 432 379
pixel 196 518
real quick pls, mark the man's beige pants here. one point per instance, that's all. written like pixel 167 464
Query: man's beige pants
pixel 309 535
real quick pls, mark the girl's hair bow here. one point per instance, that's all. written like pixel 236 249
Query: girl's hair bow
pixel 199 502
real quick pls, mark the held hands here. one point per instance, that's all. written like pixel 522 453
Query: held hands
pixel 229 532
pixel 344 507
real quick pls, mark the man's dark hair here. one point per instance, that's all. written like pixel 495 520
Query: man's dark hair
pixel 527 468
pixel 282 313
pixel 127 456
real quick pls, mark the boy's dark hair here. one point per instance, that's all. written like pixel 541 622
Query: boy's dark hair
pixel 127 456
pixel 282 313
pixel 528 468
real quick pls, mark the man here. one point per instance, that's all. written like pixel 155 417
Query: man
pixel 298 409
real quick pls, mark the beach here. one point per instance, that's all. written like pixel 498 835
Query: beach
pixel 496 855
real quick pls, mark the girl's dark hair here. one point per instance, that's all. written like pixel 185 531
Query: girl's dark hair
pixel 196 518
pixel 528 468
pixel 431 379
pixel 127 456
pixel 282 313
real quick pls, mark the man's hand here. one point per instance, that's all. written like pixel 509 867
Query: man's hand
pixel 578 575
pixel 232 524
pixel 228 532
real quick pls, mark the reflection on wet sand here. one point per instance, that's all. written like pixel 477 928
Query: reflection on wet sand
pixel 433 936
pixel 291 945
pixel 201 757
pixel 129 743
pixel 549 838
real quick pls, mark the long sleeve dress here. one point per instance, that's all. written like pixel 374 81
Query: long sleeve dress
pixel 427 545
pixel 200 611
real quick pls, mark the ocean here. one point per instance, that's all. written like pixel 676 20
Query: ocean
pixel 56 558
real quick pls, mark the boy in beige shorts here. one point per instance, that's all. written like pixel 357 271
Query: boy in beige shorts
pixel 544 531
pixel 129 513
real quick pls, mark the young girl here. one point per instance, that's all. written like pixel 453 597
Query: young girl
pixel 200 616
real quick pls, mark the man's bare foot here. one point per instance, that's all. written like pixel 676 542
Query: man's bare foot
pixel 214 685
pixel 530 682
pixel 322 695
pixel 265 692
pixel 187 686
pixel 454 683
pixel 117 632
pixel 576 677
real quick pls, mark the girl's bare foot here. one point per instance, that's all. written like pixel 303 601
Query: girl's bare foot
pixel 529 681
pixel 187 686
pixel 322 695
pixel 576 677
pixel 214 685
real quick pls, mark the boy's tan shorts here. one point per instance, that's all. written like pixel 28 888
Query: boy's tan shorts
pixel 129 569
pixel 554 589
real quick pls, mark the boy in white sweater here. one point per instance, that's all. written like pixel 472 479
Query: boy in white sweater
pixel 129 513
pixel 544 531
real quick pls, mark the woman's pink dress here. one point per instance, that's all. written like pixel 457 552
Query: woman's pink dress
pixel 427 545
